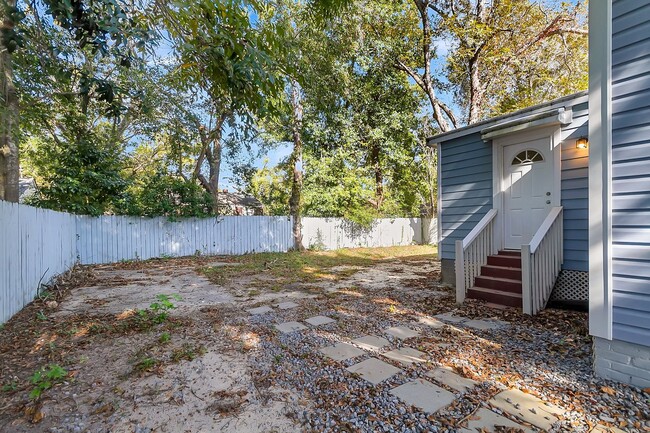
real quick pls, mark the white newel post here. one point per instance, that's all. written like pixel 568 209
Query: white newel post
pixel 526 280
pixel 460 273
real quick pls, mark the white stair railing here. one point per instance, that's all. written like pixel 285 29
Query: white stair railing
pixel 472 253
pixel 541 262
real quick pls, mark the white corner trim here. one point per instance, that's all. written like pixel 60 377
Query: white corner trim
pixel 439 187
pixel 600 161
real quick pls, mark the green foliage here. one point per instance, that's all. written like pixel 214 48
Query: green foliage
pixel 167 195
pixel 162 306
pixel 79 171
pixel 272 187
pixel 9 387
pixel 146 363
pixel 46 378
pixel 164 338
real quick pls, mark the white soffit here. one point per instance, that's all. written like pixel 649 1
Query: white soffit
pixel 558 116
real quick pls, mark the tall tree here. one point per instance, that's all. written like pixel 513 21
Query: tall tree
pixel 9 155
pixel 105 28
pixel 225 61
pixel 493 52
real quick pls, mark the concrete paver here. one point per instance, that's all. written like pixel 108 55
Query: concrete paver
pixel 402 332
pixel 424 395
pixel 287 305
pixel 288 327
pixel 430 322
pixel 260 310
pixel 406 356
pixel 373 370
pixel 342 351
pixel 486 421
pixel 371 342
pixel 527 408
pixel 319 320
pixel 485 325
pixel 448 317
pixel 447 376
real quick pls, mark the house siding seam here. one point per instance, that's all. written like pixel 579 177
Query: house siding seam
pixel 466 189
pixel 630 174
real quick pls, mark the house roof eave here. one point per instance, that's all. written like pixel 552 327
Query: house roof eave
pixel 576 98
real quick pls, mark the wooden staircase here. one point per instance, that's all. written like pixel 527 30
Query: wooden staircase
pixel 500 280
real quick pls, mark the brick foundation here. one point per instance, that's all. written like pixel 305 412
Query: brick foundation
pixel 623 362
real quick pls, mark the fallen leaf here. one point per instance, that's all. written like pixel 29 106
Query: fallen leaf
pixel 608 390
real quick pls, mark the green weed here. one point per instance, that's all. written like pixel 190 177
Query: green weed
pixel 9 387
pixel 187 352
pixel 46 378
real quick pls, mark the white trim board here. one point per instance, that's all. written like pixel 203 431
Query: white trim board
pixel 600 166
pixel 554 134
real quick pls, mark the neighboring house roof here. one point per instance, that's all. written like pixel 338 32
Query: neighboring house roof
pixel 525 115
pixel 234 199
pixel 27 187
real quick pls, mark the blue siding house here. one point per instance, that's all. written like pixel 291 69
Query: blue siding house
pixel 619 194
pixel 499 181
pixel 553 202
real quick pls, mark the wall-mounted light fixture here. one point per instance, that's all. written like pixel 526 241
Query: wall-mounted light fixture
pixel 582 143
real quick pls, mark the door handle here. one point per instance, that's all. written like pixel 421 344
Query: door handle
pixel 548 201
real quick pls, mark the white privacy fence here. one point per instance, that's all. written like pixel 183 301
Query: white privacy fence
pixel 110 239
pixel 37 244
pixel 335 233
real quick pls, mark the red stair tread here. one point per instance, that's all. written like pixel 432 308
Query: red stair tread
pixel 501 284
pixel 495 296
pixel 513 253
pixel 501 272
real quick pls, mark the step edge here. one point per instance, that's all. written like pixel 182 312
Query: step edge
pixel 495 292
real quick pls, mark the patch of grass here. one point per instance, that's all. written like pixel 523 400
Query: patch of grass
pixel 146 363
pixel 41 316
pixel 311 266
pixel 9 387
pixel 46 378
pixel 187 352
pixel 164 338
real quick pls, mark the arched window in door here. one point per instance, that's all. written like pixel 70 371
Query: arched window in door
pixel 527 157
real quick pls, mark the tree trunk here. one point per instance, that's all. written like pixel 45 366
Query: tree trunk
pixel 475 90
pixel 295 201
pixel 379 175
pixel 214 161
pixel 9 157
pixel 211 152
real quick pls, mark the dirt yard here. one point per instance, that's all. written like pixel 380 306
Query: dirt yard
pixel 199 345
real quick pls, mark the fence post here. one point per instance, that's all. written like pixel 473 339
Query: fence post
pixel 460 273
pixel 526 281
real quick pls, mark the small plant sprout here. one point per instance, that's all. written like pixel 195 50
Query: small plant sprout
pixel 41 316
pixel 46 378
pixel 162 306
pixel 164 338
pixel 146 364
pixel 8 387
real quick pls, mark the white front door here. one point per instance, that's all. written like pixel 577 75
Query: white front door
pixel 528 184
